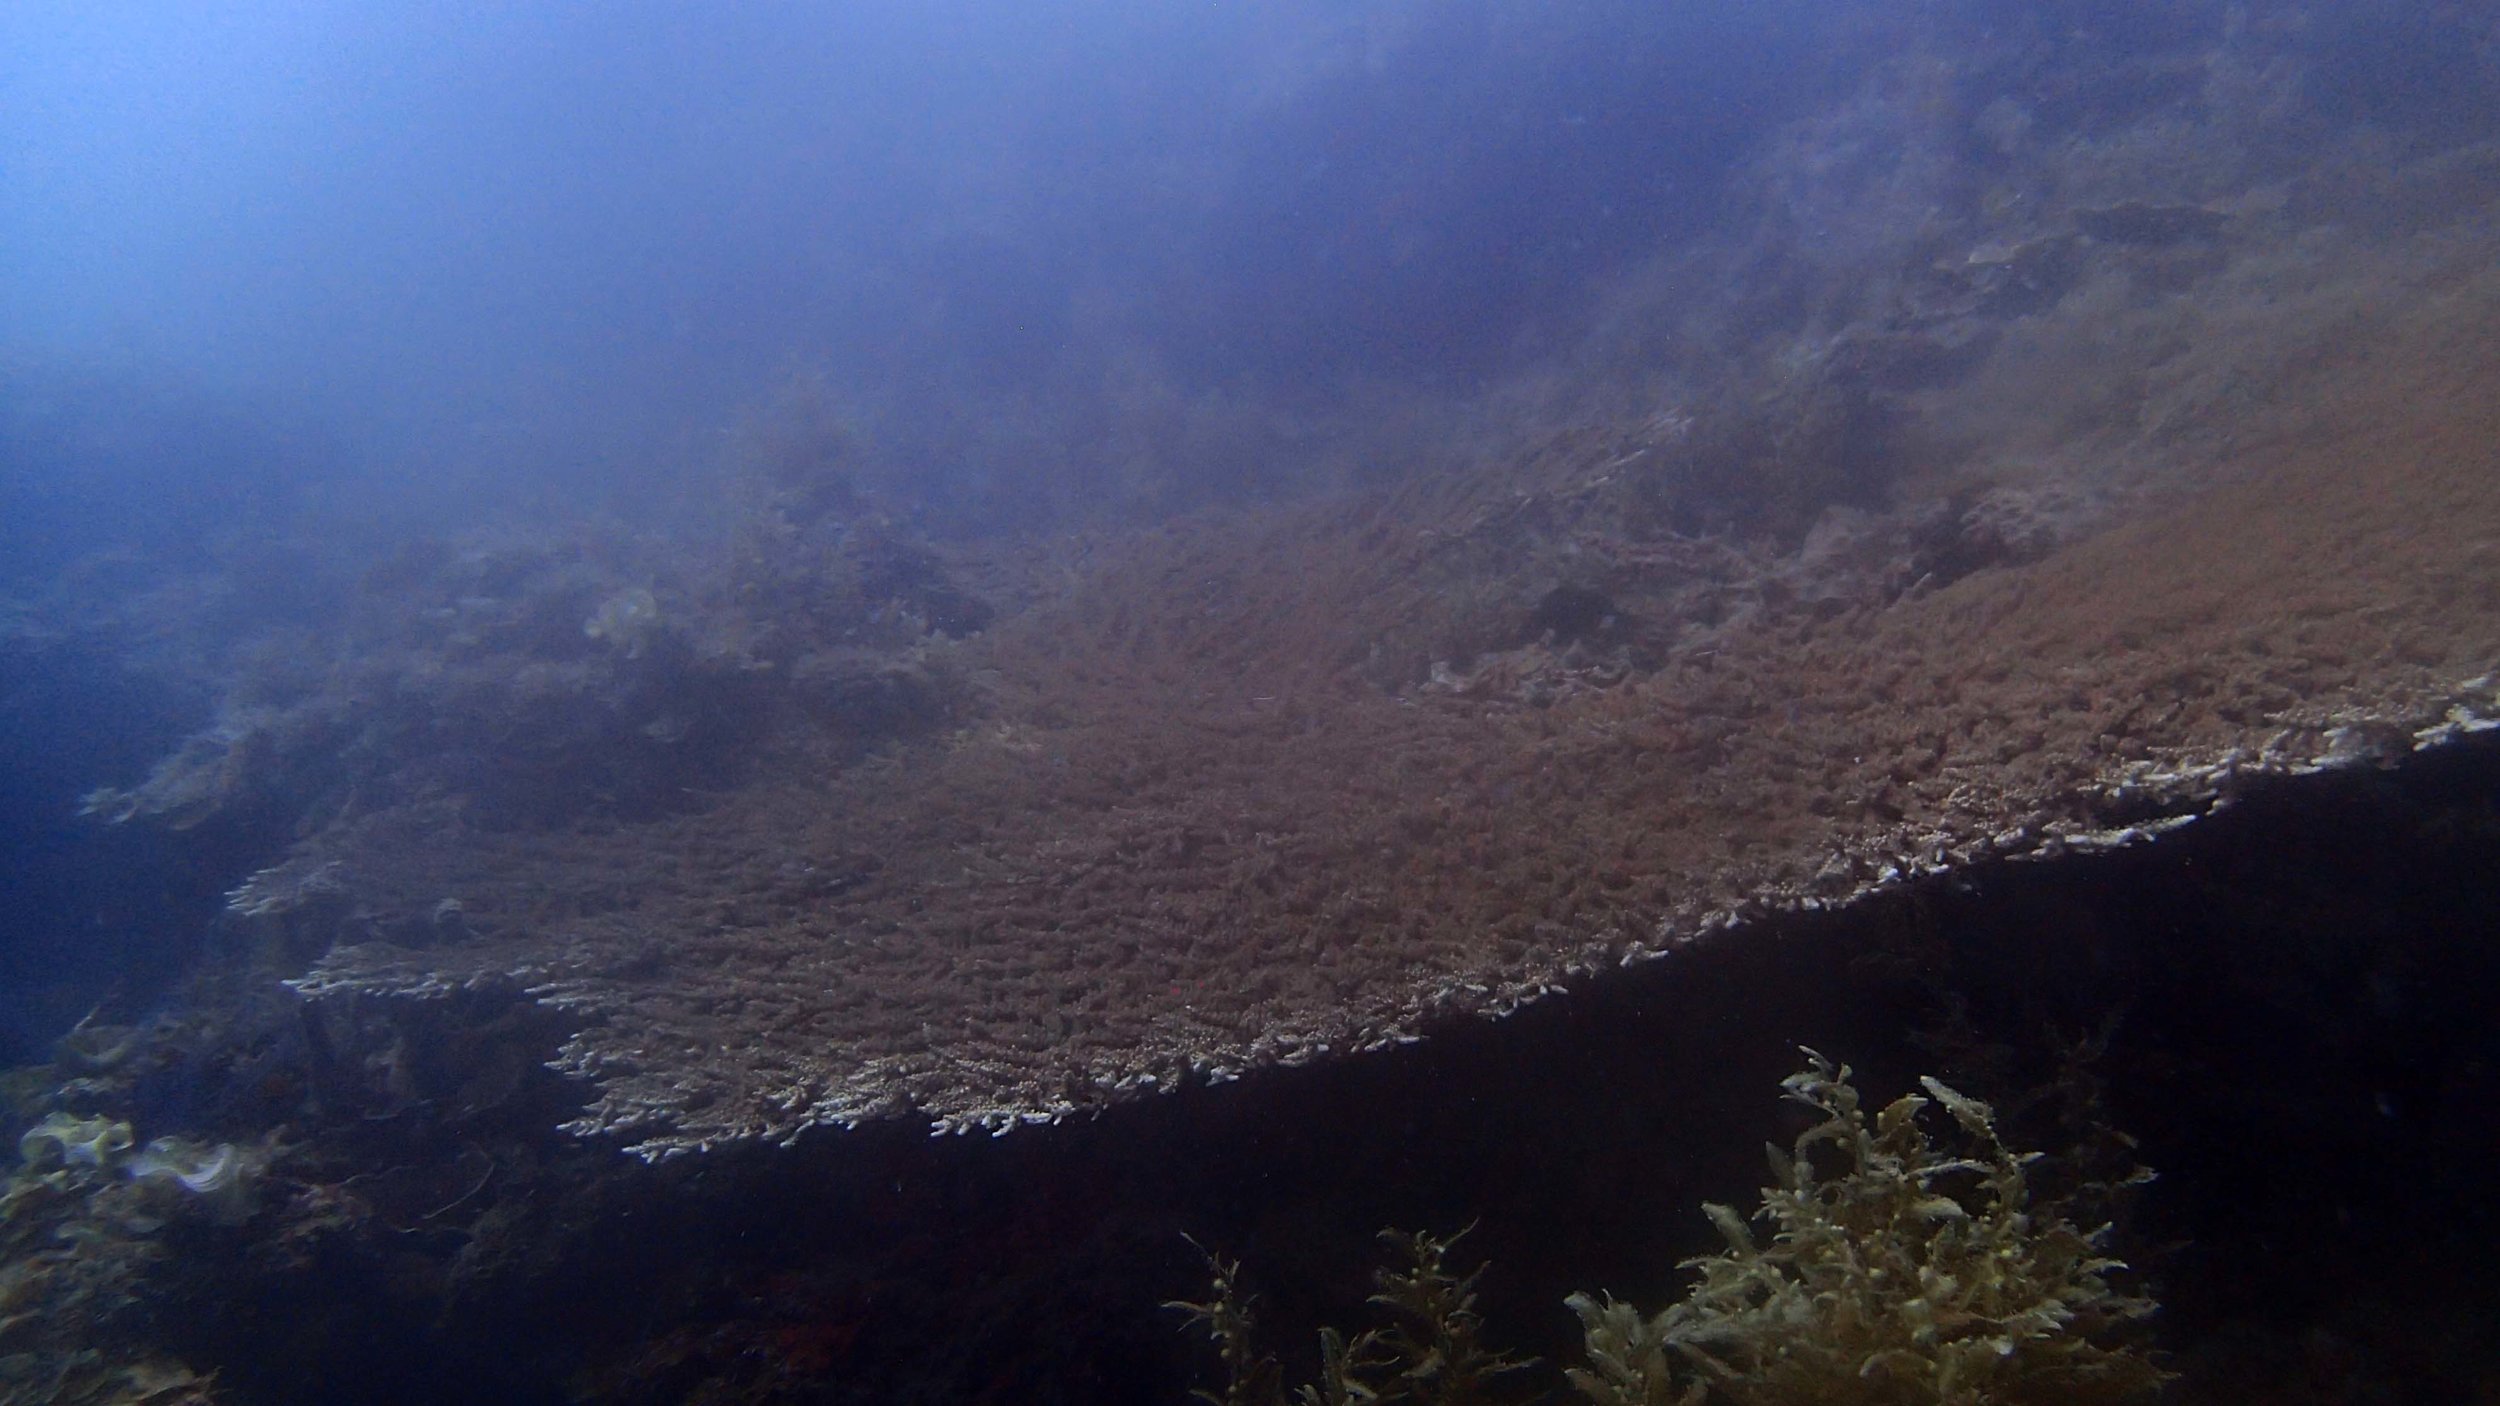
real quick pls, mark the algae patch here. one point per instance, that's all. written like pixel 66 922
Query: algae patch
pixel 1915 1273
pixel 1899 1271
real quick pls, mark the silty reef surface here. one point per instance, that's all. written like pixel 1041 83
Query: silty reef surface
pixel 1220 807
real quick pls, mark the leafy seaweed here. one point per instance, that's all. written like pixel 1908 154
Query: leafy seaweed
pixel 1228 1315
pixel 1911 1273
pixel 1898 1271
pixel 1430 1353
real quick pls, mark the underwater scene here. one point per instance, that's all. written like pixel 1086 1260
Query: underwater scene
pixel 1336 702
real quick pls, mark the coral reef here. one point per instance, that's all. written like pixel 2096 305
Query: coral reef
pixel 424 1221
pixel 128 1270
pixel 545 680
pixel 2081 434
pixel 1187 835
pixel 2080 427
pixel 80 1242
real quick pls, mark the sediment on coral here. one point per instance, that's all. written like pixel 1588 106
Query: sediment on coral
pixel 2042 511
pixel 425 1223
pixel 1187 838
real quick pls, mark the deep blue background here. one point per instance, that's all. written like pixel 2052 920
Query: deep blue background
pixel 563 244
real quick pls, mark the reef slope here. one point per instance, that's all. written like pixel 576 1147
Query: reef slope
pixel 1209 818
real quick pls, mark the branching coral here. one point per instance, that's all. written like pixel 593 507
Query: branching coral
pixel 1911 1275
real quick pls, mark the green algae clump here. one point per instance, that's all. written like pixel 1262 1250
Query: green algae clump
pixel 1911 1273
pixel 68 1140
pixel 1431 1352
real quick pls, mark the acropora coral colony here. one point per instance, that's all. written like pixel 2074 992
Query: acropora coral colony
pixel 1902 1272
